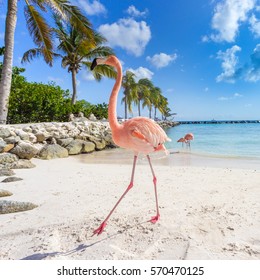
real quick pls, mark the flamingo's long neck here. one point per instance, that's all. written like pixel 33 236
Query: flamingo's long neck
pixel 112 114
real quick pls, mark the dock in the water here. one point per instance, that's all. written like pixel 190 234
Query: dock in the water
pixel 218 122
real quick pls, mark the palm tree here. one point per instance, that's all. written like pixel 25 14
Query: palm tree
pixel 145 87
pixel 130 91
pixel 41 34
pixel 76 50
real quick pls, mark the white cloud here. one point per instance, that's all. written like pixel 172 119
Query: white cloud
pixel 206 89
pixel 142 73
pixel 128 34
pixel 228 15
pixel 92 7
pixel 162 59
pixel 234 96
pixel 229 62
pixel 252 71
pixel 87 76
pixel 255 26
pixel 132 11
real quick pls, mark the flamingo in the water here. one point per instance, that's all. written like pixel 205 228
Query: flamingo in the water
pixel 188 137
pixel 140 134
pixel 182 140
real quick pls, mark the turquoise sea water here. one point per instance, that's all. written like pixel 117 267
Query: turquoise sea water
pixel 227 140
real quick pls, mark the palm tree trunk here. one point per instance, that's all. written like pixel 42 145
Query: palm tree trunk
pixel 74 86
pixel 139 107
pixel 150 112
pixel 125 107
pixel 6 77
pixel 155 112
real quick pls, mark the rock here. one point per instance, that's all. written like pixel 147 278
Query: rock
pixel 12 139
pixel 22 134
pixel 64 142
pixel 71 117
pixel 92 117
pixel 24 150
pixel 99 143
pixel 88 147
pixel 75 147
pixel 5 193
pixel 22 164
pixel 6 172
pixel 53 151
pixel 2 145
pixel 32 138
pixel 40 137
pixel 4 132
pixel 8 147
pixel 7 206
pixel 11 179
pixel 7 158
pixel 27 129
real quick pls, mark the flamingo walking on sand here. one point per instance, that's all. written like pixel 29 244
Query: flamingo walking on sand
pixel 140 134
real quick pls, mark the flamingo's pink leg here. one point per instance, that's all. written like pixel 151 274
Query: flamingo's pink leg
pixel 154 219
pixel 100 229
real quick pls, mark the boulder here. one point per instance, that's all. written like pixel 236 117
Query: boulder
pixel 88 147
pixel 50 151
pixel 6 172
pixel 5 132
pixel 8 147
pixel 64 142
pixel 99 143
pixel 7 158
pixel 7 206
pixel 24 150
pixel 11 179
pixel 12 139
pixel 92 117
pixel 75 147
pixel 22 164
pixel 22 134
pixel 40 136
pixel 2 145
pixel 4 193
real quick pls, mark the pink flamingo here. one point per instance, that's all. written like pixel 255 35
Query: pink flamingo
pixel 188 137
pixel 182 140
pixel 140 134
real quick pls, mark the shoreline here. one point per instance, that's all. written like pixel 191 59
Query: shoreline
pixel 175 158
pixel 206 212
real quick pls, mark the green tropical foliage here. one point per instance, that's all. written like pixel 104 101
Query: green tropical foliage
pixel 77 50
pixel 37 102
pixel 130 91
pixel 41 33
pixel 144 93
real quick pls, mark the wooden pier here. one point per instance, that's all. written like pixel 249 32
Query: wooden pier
pixel 218 122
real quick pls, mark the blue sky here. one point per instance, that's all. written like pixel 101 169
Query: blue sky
pixel 204 55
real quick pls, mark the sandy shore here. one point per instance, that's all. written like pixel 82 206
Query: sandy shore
pixel 209 209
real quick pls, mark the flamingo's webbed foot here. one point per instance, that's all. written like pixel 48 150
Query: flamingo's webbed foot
pixel 100 229
pixel 155 219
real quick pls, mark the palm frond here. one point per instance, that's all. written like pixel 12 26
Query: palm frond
pixel 40 32
pixel 101 70
pixel 73 15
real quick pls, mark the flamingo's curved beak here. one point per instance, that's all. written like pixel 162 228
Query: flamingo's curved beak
pixel 97 61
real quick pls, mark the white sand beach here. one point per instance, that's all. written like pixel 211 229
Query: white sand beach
pixel 209 209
